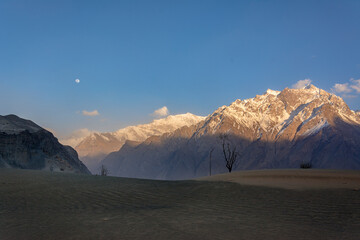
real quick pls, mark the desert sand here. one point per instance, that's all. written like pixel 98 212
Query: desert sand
pixel 299 179
pixel 42 205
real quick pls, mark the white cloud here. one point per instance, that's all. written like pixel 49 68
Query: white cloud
pixel 345 88
pixel 91 114
pixel 76 137
pixel 77 80
pixel 161 112
pixel 342 88
pixel 302 83
pixel 356 85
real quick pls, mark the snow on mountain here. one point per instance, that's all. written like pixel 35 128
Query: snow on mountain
pixel 157 127
pixel 273 130
pixel 275 113
pixel 96 146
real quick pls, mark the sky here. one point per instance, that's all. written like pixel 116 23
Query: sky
pixel 103 65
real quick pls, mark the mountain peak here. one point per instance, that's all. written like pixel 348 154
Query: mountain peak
pixel 275 111
pixel 310 88
pixel 272 92
pixel 313 89
pixel 13 124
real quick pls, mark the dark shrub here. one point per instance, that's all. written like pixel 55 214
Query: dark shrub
pixel 306 165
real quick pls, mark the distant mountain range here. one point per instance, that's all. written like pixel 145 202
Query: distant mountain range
pixel 25 145
pixel 274 130
pixel 286 129
pixel 93 148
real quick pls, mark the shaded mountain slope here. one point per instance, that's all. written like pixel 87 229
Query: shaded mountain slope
pixel 93 148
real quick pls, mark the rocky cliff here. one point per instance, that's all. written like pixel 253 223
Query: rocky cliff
pixel 23 144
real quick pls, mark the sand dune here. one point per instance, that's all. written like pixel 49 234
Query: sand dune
pixel 41 205
pixel 293 178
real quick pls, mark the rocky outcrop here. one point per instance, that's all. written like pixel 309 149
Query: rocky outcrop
pixel 25 145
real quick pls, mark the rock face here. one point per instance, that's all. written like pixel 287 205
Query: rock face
pixel 23 144
pixel 95 147
pixel 274 130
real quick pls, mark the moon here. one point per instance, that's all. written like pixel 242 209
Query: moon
pixel 77 80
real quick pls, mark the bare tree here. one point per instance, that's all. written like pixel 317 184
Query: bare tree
pixel 230 154
pixel 104 171
pixel 211 151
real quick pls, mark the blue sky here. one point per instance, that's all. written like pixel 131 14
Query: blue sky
pixel 133 57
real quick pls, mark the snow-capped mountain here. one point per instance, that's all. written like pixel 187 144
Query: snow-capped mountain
pixel 274 130
pixel 25 145
pixel 93 148
pixel 290 114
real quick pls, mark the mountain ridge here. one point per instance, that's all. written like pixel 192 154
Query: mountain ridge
pixel 93 148
pixel 273 130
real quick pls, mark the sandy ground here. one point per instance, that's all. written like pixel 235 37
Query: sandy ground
pixel 40 205
pixel 293 178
